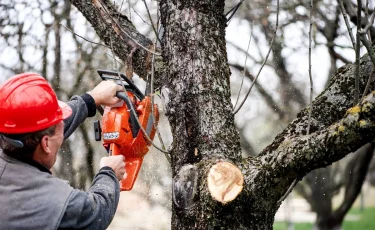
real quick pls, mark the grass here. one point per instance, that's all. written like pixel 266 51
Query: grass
pixel 366 222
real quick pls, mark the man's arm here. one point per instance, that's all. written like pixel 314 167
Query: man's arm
pixel 82 107
pixel 85 106
pixel 95 208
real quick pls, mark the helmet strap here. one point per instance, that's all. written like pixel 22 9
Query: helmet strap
pixel 15 143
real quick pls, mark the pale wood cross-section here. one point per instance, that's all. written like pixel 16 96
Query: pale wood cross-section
pixel 225 182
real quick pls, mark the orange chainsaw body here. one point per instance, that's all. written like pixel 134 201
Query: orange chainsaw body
pixel 122 137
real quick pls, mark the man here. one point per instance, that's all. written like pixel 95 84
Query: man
pixel 33 125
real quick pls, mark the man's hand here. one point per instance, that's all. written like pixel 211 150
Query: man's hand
pixel 105 93
pixel 116 163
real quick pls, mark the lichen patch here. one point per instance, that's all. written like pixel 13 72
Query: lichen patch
pixel 355 109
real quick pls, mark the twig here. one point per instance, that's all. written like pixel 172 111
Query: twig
pixel 310 75
pixel 83 37
pixel 130 12
pixel 288 191
pixel 233 11
pixel 126 33
pixel 370 23
pixel 366 15
pixel 152 24
pixel 343 11
pixel 118 61
pixel 340 57
pixel 264 62
pixel 119 11
pixel 266 96
pixel 333 45
pixel 357 52
pixel 166 153
pixel 368 84
pixel 144 21
pixel 256 41
pixel 154 53
pixel 368 33
pixel 244 67
pixel 243 51
pixel 367 44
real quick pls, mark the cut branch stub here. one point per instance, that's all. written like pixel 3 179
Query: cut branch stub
pixel 225 182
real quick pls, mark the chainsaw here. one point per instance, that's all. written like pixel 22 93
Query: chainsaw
pixel 121 132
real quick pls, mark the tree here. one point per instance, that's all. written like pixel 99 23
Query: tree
pixel 193 70
pixel 320 186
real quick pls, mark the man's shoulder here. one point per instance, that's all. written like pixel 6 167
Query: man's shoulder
pixel 24 176
pixel 31 191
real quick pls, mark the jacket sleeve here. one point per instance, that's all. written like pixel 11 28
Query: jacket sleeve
pixel 95 208
pixel 82 107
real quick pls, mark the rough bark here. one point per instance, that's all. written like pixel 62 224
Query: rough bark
pixel 199 109
pixel 200 114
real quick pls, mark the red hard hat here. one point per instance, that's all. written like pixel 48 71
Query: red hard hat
pixel 29 104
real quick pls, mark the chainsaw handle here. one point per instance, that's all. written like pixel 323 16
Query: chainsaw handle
pixel 133 119
pixel 131 86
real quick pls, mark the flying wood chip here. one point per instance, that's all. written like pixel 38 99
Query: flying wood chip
pixel 225 182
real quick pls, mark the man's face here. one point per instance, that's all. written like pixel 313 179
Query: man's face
pixel 55 142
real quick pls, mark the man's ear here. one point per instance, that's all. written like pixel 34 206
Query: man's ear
pixel 44 144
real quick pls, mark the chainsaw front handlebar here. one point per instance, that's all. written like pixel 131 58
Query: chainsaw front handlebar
pixel 133 119
pixel 130 86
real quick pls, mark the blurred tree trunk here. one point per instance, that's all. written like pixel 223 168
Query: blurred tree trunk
pixel 322 186
pixel 371 174
pixel 200 113
pixel 66 170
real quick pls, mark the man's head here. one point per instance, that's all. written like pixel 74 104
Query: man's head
pixel 31 118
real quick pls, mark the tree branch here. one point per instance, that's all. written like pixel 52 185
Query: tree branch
pixel 336 131
pixel 103 16
pixel 302 154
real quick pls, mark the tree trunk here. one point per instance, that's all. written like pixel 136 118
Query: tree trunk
pixel 323 188
pixel 199 109
pixel 327 223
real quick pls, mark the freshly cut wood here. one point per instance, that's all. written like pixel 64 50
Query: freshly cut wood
pixel 225 182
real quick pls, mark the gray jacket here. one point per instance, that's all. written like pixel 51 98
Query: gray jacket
pixel 31 198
